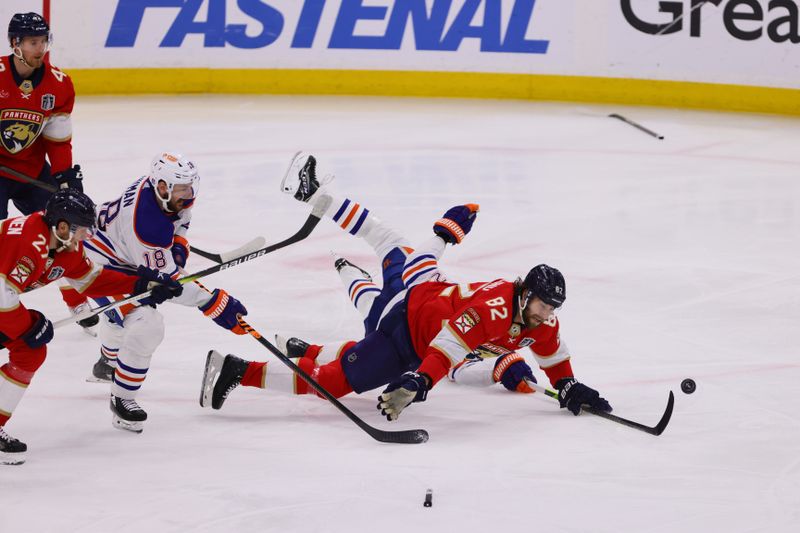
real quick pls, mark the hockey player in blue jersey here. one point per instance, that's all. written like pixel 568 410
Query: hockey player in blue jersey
pixel 147 226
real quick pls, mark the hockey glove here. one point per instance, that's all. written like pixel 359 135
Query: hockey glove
pixel 511 370
pixel 573 394
pixel 40 332
pixel 410 387
pixel 70 178
pixel 180 251
pixel 225 310
pixel 456 223
pixel 162 286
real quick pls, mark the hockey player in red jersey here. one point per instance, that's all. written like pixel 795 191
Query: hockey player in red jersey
pixel 418 325
pixel 36 101
pixel 34 251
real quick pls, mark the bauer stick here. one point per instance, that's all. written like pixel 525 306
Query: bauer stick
pixel 219 258
pixel 407 436
pixel 658 429
pixel 309 225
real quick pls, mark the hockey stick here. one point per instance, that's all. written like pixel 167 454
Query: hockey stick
pixel 219 258
pixel 658 429
pixel 408 436
pixel 637 126
pixel 309 225
pixel 223 257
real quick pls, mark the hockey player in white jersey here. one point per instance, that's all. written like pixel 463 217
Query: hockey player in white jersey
pixel 147 226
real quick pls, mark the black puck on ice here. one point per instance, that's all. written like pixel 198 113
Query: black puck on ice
pixel 688 386
pixel 428 498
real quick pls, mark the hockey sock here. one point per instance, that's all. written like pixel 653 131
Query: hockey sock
pixel 361 291
pixel 110 354
pixel 329 376
pixel 424 262
pixel 13 383
pixel 255 375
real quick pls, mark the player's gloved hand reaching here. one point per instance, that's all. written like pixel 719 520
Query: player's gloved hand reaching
pixel 456 223
pixel 572 394
pixel 408 388
pixel 180 251
pixel 40 332
pixel 225 310
pixel 512 371
pixel 70 178
pixel 162 286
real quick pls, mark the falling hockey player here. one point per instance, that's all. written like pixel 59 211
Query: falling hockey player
pixel 34 251
pixel 418 325
pixel 147 226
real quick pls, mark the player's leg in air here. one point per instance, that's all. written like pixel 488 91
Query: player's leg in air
pixel 325 363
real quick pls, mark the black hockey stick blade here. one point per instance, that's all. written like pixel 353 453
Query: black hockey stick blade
pixel 658 429
pixel 309 225
pixel 408 436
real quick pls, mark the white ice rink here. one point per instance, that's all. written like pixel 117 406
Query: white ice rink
pixel 681 260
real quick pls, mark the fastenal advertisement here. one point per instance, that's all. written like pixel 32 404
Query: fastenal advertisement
pixel 741 42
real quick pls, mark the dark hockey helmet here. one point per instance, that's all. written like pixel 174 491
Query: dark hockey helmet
pixel 547 283
pixel 72 206
pixel 27 25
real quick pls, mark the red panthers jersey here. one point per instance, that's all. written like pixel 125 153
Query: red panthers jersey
pixel 35 119
pixel 448 321
pixel 26 262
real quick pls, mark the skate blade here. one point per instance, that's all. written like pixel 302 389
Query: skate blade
pixel 214 361
pixel 287 186
pixel 94 379
pixel 11 459
pixel 127 425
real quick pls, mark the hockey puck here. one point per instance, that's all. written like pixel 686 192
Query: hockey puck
pixel 428 498
pixel 688 386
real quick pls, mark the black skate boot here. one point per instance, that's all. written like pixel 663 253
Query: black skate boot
pixel 340 263
pixel 102 371
pixel 127 415
pixel 301 179
pixel 12 451
pixel 221 376
pixel 292 347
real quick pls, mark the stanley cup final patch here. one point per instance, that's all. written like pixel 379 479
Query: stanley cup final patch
pixel 19 128
pixel 48 102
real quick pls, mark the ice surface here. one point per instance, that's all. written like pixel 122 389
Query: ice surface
pixel 681 259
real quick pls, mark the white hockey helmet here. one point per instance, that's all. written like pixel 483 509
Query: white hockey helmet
pixel 174 169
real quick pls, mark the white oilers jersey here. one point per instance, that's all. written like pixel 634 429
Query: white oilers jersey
pixel 133 230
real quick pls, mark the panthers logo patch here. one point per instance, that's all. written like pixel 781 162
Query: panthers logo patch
pixel 19 128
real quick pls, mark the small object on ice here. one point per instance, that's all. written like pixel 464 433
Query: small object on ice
pixel 428 498
pixel 688 386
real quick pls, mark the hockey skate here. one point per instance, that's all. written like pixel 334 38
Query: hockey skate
pixel 102 371
pixel 89 325
pixel 292 347
pixel 12 451
pixel 340 263
pixel 301 179
pixel 127 415
pixel 221 376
